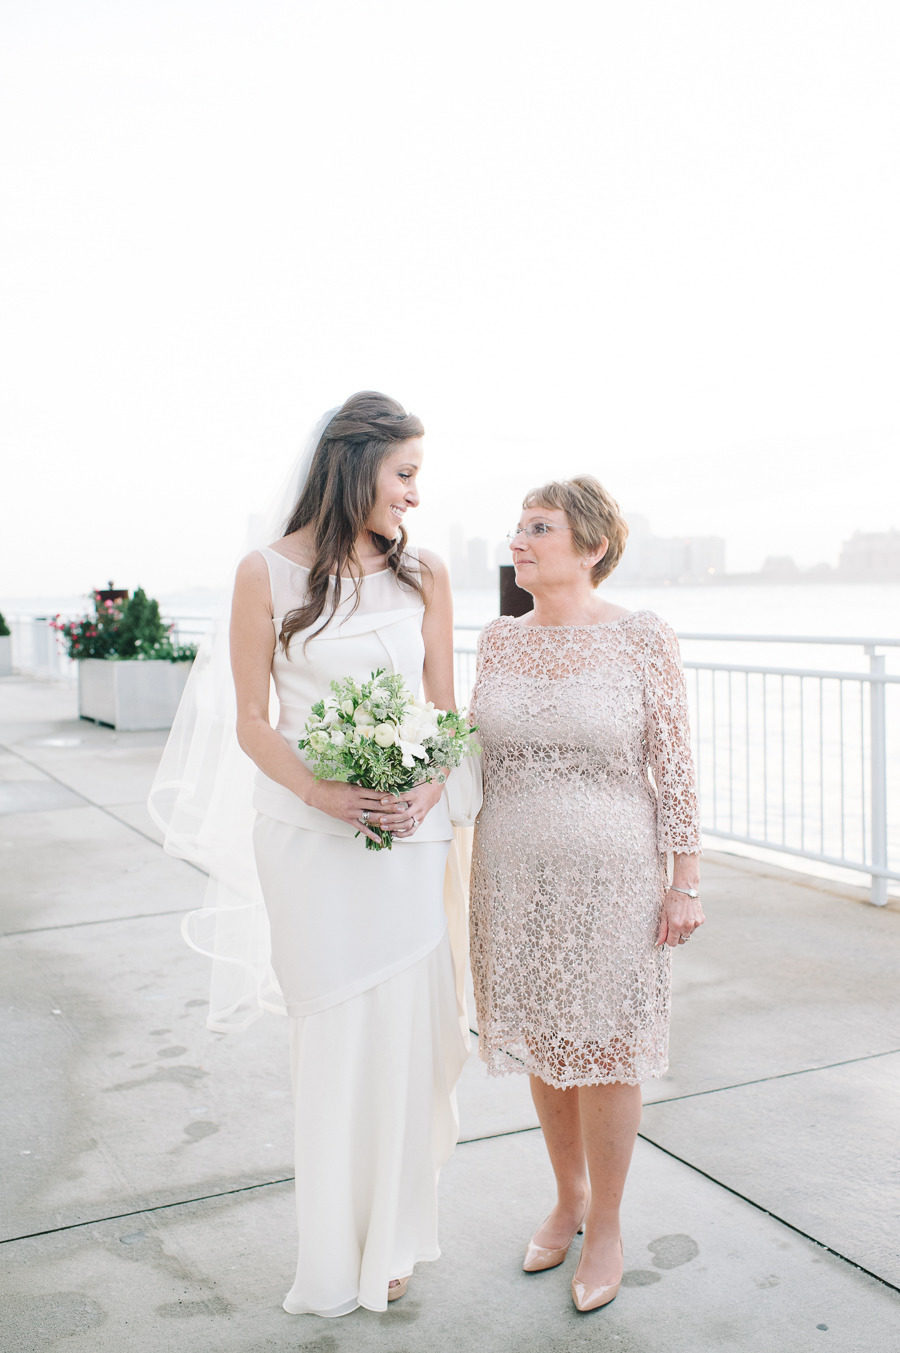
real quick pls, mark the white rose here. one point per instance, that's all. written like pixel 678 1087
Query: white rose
pixel 362 717
pixel 347 707
pixel 385 735
pixel 419 722
pixel 319 741
pixel 337 738
pixel 410 751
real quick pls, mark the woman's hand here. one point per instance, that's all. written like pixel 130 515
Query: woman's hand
pixel 351 804
pixel 681 915
pixel 404 814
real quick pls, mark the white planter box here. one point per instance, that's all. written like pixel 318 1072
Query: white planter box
pixel 132 694
pixel 5 654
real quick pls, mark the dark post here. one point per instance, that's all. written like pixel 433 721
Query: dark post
pixel 111 593
pixel 513 599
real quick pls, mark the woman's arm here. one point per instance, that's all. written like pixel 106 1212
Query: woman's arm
pixel 437 679
pixel 668 737
pixel 437 632
pixel 669 750
pixel 681 914
pixel 252 650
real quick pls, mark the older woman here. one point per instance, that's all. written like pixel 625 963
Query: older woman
pixel 589 788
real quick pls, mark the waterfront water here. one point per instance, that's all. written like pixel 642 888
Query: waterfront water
pixel 839 609
pixel 796 786
pixel 844 610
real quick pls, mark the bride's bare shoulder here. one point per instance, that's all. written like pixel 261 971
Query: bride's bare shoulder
pixel 251 584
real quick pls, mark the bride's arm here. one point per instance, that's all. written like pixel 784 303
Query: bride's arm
pixel 437 680
pixel 252 650
pixel 437 632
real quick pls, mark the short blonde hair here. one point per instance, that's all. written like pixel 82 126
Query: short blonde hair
pixel 592 514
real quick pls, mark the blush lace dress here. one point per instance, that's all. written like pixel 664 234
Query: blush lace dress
pixel 588 783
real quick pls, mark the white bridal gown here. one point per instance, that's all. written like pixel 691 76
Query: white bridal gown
pixel 360 949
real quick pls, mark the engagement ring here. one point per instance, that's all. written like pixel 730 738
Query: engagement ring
pixel 365 818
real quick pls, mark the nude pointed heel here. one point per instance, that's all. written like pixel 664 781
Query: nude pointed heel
pixel 398 1289
pixel 592 1299
pixel 538 1258
pixel 597 1297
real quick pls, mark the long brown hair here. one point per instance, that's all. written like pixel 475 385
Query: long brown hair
pixel 337 500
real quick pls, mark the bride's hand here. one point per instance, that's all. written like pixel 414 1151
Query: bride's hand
pixel 349 803
pixel 404 814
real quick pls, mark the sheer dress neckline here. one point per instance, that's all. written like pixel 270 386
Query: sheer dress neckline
pixel 597 625
pixel 344 577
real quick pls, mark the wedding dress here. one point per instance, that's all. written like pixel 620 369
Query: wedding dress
pixel 361 954
pixel 589 783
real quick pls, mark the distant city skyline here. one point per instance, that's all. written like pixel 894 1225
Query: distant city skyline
pixel 866 556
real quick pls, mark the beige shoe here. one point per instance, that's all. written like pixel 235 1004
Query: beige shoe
pixel 592 1299
pixel 538 1258
pixel 397 1287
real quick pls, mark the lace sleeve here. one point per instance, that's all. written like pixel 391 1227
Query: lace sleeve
pixel 483 654
pixel 669 744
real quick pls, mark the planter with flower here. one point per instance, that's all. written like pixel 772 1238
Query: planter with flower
pixel 130 672
pixel 5 648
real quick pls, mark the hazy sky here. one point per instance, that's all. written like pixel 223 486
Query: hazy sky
pixel 656 241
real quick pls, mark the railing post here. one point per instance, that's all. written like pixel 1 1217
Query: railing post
pixel 878 765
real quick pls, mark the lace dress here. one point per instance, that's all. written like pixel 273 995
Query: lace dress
pixel 569 866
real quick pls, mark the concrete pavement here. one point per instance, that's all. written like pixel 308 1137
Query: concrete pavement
pixel 146 1195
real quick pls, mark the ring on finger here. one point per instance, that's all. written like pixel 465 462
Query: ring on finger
pixel 364 818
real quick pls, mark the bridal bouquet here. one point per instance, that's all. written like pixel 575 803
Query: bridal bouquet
pixel 375 734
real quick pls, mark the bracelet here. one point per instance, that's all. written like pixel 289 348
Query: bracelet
pixel 688 892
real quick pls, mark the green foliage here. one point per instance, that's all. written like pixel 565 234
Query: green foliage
pixel 140 629
pixel 4 628
pixel 117 630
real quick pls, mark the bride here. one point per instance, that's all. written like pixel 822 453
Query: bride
pixel 359 941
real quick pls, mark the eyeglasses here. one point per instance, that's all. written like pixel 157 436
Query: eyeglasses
pixel 536 528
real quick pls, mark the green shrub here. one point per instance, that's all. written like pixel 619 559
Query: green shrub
pixel 131 628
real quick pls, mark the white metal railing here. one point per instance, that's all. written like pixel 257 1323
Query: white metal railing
pixel 802 761
pixel 38 652
pixel 796 760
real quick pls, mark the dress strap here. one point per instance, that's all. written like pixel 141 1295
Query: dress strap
pixel 287 581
